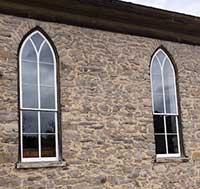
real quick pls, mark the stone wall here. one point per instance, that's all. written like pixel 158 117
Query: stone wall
pixel 107 125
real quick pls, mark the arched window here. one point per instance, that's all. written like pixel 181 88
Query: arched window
pixel 165 106
pixel 38 100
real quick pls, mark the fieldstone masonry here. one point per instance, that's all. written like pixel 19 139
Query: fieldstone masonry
pixel 107 122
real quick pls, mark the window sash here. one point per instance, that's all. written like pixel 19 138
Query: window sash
pixel 166 134
pixel 39 134
pixel 38 109
pixel 38 85
pixel 161 64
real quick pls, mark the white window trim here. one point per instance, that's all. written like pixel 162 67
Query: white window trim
pixel 39 159
pixel 167 155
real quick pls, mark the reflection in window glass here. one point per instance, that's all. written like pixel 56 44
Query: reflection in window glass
pixel 47 97
pixel 47 75
pixel 161 57
pixel 29 72
pixel 159 105
pixel 48 145
pixel 158 124
pixel 46 55
pixel 170 104
pixel 160 144
pixel 171 123
pixel 29 52
pixel 30 96
pixel 37 39
pixel 30 146
pixel 157 85
pixel 47 122
pixel 30 121
pixel 156 67
pixel 169 88
pixel 172 144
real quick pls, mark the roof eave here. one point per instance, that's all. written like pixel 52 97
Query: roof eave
pixel 110 15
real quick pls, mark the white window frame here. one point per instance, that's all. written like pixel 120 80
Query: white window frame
pixel 38 110
pixel 167 155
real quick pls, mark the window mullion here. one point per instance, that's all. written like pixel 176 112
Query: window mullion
pixel 165 127
pixel 39 135
pixel 38 69
pixel 163 88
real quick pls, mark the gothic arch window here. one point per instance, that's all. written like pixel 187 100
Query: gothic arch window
pixel 165 106
pixel 38 100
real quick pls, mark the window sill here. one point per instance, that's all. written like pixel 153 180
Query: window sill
pixel 171 159
pixel 31 165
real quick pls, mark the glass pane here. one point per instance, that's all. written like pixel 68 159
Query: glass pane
pixel 161 56
pixel 37 39
pixel 30 121
pixel 157 88
pixel 47 74
pixel 30 96
pixel 29 72
pixel 29 52
pixel 169 87
pixel 47 97
pixel 157 84
pixel 46 54
pixel 160 144
pixel 172 144
pixel 158 104
pixel 158 124
pixel 48 147
pixel 171 124
pixel 170 104
pixel 156 69
pixel 30 146
pixel 47 122
pixel 168 68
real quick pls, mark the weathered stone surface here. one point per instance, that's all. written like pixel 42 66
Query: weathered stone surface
pixel 106 116
pixel 196 155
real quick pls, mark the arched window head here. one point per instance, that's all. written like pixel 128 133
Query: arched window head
pixel 165 106
pixel 38 99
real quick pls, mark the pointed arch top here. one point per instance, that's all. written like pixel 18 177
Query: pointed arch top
pixel 163 81
pixel 161 50
pixel 38 44
pixel 40 32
